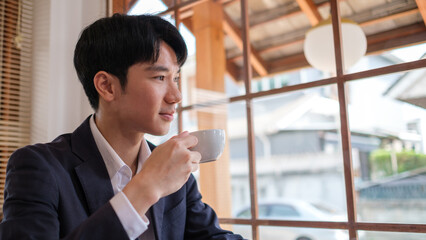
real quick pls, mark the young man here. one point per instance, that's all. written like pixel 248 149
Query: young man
pixel 102 181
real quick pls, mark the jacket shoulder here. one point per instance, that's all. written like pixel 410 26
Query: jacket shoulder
pixel 41 151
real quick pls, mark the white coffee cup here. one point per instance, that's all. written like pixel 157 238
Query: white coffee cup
pixel 211 143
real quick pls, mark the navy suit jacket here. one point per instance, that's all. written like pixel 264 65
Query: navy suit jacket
pixel 62 190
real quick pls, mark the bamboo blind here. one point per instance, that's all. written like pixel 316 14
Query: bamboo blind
pixel 15 76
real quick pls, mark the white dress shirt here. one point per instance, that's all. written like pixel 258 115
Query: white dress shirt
pixel 120 175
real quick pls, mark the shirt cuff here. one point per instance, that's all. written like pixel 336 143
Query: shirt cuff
pixel 132 222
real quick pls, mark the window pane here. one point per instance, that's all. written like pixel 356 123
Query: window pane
pixel 243 230
pixel 387 118
pixel 215 80
pixel 390 57
pixel 277 37
pixel 298 155
pixel 284 210
pixel 237 137
pixel 230 117
pixel 280 233
pixel 367 235
pixel 286 79
pixel 148 6
pixel 394 32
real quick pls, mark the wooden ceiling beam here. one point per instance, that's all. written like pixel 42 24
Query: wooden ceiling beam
pixel 403 36
pixel 233 71
pixel 395 33
pixel 377 43
pixel 187 13
pixel 288 63
pixel 287 14
pixel 282 45
pixel 389 17
pixel 231 68
pixel 234 33
pixel 421 4
pixel 416 38
pixel 183 7
pixel 363 24
pixel 311 11
pixel 186 9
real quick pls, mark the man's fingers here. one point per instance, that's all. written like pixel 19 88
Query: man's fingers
pixel 182 134
pixel 188 140
pixel 195 167
pixel 195 160
pixel 195 157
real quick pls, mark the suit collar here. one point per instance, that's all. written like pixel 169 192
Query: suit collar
pixel 83 144
pixel 94 177
pixel 157 210
pixel 92 172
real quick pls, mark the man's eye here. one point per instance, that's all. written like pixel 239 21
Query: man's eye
pixel 176 79
pixel 159 78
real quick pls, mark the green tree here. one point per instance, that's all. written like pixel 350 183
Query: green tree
pixel 407 160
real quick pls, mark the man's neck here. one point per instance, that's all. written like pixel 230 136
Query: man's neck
pixel 125 143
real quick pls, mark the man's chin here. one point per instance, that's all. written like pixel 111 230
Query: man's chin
pixel 160 132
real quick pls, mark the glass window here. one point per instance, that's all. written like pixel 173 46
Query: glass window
pixel 299 155
pixel 280 233
pixel 294 168
pixel 370 235
pixel 388 142
pixel 283 211
pixel 243 230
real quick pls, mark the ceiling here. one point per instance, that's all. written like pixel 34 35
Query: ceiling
pixel 278 27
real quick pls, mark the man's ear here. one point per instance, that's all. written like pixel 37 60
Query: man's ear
pixel 107 85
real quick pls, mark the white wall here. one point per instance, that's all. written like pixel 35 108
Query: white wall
pixel 59 104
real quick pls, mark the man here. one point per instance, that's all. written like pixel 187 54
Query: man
pixel 102 181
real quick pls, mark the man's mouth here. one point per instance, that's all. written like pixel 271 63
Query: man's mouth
pixel 168 116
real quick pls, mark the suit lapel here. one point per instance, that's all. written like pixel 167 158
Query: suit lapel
pixel 97 188
pixel 157 210
pixel 94 177
pixel 92 173
pixel 157 217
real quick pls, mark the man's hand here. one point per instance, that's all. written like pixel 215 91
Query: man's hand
pixel 164 172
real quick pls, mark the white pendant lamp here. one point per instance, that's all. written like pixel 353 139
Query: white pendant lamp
pixel 319 45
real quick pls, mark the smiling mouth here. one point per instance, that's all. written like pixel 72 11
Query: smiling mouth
pixel 167 116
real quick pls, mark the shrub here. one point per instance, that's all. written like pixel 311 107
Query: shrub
pixel 381 163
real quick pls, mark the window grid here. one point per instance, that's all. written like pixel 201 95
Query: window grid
pixel 340 79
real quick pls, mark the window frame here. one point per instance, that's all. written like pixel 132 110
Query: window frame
pixel 341 78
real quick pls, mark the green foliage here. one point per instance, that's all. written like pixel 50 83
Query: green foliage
pixel 381 163
pixel 409 160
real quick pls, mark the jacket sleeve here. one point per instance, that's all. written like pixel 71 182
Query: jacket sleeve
pixel 201 220
pixel 32 201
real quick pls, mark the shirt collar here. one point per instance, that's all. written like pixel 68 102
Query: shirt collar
pixel 112 161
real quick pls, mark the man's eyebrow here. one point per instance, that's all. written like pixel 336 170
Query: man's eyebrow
pixel 159 68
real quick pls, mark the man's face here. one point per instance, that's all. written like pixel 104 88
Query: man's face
pixel 149 100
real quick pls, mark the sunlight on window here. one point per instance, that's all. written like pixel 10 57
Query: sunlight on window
pixel 410 53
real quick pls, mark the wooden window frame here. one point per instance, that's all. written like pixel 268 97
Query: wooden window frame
pixel 351 225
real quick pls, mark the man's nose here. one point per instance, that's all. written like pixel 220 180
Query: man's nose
pixel 173 94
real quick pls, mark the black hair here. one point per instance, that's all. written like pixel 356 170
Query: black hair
pixel 113 44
